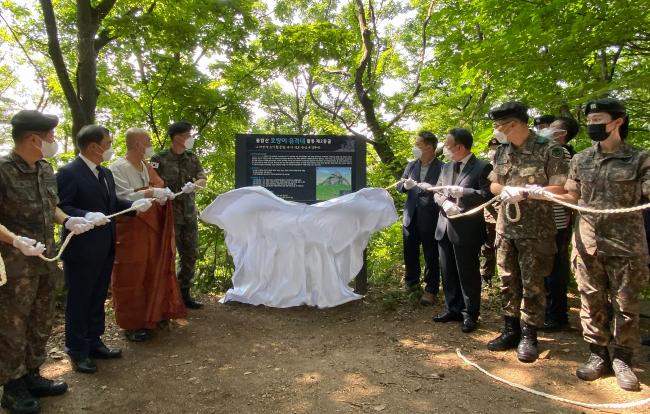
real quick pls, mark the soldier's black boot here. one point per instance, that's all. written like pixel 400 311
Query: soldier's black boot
pixel 189 302
pixel 597 365
pixel 622 365
pixel 43 387
pixel 510 336
pixel 17 400
pixel 527 350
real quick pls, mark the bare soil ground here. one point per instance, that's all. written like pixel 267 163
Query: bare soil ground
pixel 363 357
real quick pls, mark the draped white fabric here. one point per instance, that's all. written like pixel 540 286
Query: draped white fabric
pixel 290 254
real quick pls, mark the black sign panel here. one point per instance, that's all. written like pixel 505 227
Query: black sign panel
pixel 302 168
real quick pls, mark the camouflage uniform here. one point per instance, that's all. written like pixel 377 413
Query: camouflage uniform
pixel 176 170
pixel 610 254
pixel 525 249
pixel 28 199
pixel 487 249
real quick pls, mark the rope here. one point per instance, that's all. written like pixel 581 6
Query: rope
pixel 550 396
pixel 70 235
pixel 517 211
pixel 3 272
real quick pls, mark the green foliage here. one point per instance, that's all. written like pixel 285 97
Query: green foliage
pixel 439 64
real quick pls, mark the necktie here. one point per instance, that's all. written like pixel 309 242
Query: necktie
pixel 102 181
pixel 457 165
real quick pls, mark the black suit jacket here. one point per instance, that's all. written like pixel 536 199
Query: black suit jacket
pixel 473 177
pixel 80 193
pixel 417 198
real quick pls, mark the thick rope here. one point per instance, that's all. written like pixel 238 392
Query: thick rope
pixel 517 212
pixel 119 213
pixel 3 272
pixel 550 396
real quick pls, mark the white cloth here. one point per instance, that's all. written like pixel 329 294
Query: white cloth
pixel 291 254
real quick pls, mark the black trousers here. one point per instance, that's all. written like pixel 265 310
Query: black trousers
pixel 557 281
pixel 461 277
pixel 420 232
pixel 87 284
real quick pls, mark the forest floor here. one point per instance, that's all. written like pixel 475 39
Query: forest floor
pixel 379 354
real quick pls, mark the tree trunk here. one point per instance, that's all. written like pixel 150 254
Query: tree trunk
pixel 81 97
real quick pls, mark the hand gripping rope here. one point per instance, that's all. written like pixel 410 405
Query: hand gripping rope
pixel 119 213
pixel 517 212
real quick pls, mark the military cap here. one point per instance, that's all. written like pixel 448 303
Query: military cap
pixel 30 120
pixel 609 105
pixel 179 127
pixel 544 119
pixel 512 109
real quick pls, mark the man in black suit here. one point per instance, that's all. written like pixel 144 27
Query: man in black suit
pixel 87 189
pixel 420 217
pixel 460 240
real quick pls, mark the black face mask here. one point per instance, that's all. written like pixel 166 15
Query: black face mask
pixel 597 132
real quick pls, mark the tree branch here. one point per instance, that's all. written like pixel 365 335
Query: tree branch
pixel 418 70
pixel 55 53
pixel 335 114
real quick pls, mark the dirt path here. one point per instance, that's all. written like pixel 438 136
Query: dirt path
pixel 352 359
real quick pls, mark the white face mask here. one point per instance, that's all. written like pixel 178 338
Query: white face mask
pixel 108 154
pixel 417 152
pixel 500 136
pixel 491 154
pixel 447 154
pixel 49 149
pixel 148 152
pixel 189 143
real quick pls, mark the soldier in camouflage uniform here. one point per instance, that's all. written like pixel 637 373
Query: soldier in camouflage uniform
pixel 181 170
pixel 610 254
pixel 28 209
pixel 525 248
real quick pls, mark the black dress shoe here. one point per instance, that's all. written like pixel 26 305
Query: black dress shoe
pixel 84 365
pixel 448 317
pixel 469 325
pixel 43 387
pixel 138 335
pixel 104 352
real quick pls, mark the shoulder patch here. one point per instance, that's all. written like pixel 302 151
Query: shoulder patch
pixel 557 152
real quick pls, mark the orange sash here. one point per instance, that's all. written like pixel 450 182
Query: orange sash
pixel 144 286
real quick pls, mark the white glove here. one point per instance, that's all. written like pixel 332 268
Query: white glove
pixel 78 225
pixel 512 194
pixel 410 183
pixel 162 195
pixel 450 208
pixel 189 187
pixel 141 205
pixel 538 192
pixel 424 186
pixel 455 191
pixel 169 194
pixel 98 219
pixel 28 246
